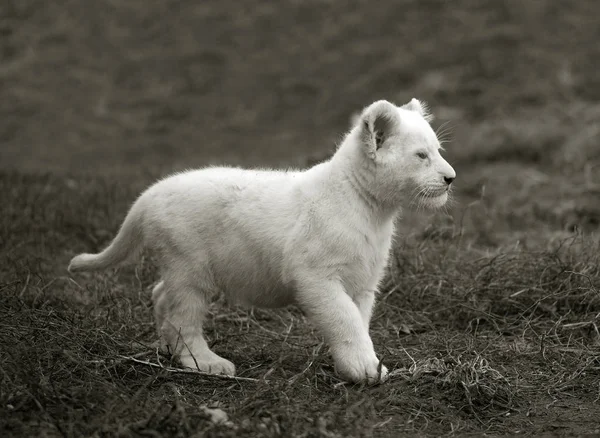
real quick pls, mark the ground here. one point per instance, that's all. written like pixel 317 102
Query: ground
pixel 489 313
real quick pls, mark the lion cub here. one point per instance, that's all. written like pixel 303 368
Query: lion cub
pixel 317 238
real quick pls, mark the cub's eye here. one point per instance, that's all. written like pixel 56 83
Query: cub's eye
pixel 421 155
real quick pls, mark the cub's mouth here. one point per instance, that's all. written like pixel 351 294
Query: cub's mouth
pixel 435 193
pixel 434 198
pixel 436 201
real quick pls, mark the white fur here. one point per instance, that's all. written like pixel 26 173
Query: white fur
pixel 318 238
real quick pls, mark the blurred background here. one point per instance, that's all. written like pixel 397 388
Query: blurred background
pixel 133 90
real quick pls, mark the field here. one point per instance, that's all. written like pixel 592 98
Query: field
pixel 490 312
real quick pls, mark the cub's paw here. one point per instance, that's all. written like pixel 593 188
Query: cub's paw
pixel 358 368
pixel 215 365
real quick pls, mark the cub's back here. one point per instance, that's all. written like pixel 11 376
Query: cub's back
pixel 217 185
pixel 221 202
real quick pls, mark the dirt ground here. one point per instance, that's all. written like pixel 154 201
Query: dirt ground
pixel 490 311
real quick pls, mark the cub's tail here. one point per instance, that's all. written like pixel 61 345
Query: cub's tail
pixel 127 244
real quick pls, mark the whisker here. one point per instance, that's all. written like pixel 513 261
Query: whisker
pixel 443 129
pixel 444 133
pixel 425 195
pixel 416 190
pixel 446 138
pixel 416 197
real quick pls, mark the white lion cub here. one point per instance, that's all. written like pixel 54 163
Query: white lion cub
pixel 317 238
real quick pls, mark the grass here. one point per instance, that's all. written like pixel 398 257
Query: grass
pixel 489 340
pixel 489 315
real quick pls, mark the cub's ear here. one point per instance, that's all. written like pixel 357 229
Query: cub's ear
pixel 378 121
pixel 419 107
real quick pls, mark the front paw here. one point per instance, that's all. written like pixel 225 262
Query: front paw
pixel 357 367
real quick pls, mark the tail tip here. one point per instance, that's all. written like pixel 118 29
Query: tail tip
pixel 77 263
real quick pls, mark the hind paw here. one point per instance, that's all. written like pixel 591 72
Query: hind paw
pixel 217 365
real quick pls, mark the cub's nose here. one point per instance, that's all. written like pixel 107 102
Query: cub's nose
pixel 448 179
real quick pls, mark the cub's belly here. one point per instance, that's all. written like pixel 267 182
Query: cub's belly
pixel 267 294
pixel 249 279
pixel 263 297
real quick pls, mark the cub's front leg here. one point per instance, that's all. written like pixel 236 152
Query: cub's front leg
pixel 339 320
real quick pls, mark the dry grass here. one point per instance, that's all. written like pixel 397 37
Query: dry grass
pixel 489 317
pixel 479 339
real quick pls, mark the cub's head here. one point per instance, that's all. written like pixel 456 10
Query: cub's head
pixel 402 155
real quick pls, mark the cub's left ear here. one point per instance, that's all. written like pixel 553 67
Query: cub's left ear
pixel 419 107
pixel 377 122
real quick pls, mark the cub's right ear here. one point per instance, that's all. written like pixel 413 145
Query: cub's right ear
pixel 420 107
pixel 377 122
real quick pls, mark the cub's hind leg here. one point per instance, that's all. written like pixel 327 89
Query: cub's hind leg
pixel 180 311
